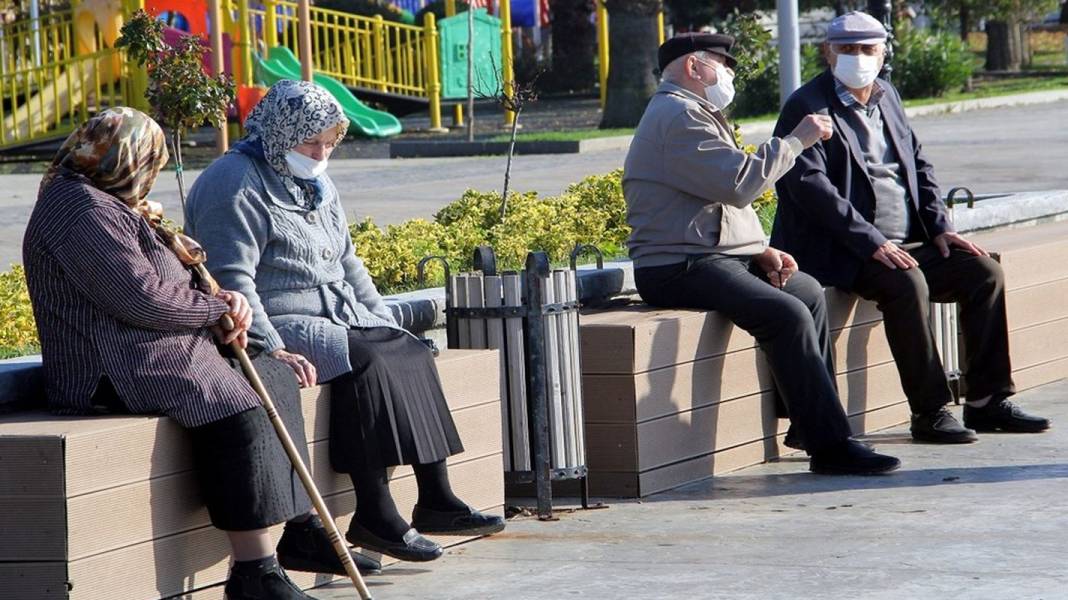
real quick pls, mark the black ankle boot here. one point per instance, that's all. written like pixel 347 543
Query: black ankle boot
pixel 306 547
pixel 261 579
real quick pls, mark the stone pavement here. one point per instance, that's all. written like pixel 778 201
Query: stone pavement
pixel 985 521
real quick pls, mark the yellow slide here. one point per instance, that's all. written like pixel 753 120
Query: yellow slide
pixel 64 88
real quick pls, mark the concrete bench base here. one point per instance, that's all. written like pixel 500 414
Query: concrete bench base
pixel 107 507
pixel 673 396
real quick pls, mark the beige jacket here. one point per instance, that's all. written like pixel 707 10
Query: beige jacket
pixel 689 187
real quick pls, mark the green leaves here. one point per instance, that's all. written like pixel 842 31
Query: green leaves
pixel 181 94
pixel 591 211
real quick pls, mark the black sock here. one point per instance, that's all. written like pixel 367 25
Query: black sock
pixel 435 492
pixel 375 508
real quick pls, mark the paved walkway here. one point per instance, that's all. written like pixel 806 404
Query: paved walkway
pixel 985 521
pixel 1012 148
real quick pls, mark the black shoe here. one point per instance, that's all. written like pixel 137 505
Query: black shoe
pixel 1003 415
pixel 940 427
pixel 793 439
pixel 306 547
pixel 851 457
pixel 412 547
pixel 456 522
pixel 264 580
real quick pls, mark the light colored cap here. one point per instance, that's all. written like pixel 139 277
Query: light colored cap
pixel 856 28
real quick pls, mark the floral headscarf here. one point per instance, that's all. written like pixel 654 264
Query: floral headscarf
pixel 120 150
pixel 290 113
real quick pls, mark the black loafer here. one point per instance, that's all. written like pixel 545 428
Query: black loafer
pixel 851 457
pixel 940 427
pixel 306 547
pixel 413 547
pixel 1003 415
pixel 456 522
pixel 265 581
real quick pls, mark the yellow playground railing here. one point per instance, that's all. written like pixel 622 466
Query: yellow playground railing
pixel 51 100
pixel 358 51
pixel 35 42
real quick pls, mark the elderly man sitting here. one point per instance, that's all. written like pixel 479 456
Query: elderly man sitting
pixel 862 209
pixel 697 242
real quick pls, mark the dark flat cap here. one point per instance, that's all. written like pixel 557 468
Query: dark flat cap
pixel 856 28
pixel 683 44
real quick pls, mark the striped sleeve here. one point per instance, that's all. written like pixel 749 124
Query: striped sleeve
pixel 102 252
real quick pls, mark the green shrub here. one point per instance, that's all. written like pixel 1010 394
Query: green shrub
pixel 18 331
pixel 930 64
pixel 590 212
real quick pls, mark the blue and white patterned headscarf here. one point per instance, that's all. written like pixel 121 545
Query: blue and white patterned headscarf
pixel 290 113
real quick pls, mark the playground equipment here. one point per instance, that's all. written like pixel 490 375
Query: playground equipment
pixel 281 63
pixel 77 73
pixel 48 87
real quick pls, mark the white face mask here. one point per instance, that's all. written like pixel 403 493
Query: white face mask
pixel 304 167
pixel 720 94
pixel 856 70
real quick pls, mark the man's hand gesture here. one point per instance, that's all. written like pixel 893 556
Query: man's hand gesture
pixel 778 265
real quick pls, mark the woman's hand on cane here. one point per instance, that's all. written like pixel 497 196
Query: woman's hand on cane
pixel 302 367
pixel 240 313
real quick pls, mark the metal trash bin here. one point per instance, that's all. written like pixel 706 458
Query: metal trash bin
pixel 531 317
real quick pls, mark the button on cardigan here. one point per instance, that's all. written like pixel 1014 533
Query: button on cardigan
pixel 295 263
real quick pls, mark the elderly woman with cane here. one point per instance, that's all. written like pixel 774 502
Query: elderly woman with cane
pixel 272 223
pixel 126 327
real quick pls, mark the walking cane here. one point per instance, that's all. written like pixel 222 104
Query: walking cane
pixel 332 532
pixel 192 255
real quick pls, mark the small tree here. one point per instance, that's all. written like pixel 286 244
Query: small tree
pixel 180 93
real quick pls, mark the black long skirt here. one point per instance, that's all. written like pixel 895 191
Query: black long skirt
pixel 246 479
pixel 390 409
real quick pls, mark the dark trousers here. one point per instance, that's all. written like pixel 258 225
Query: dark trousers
pixel 977 285
pixel 790 326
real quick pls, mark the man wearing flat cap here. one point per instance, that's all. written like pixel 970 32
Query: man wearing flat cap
pixel 696 241
pixel 863 212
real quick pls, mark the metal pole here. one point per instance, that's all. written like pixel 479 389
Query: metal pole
pixel 470 73
pixel 883 10
pixel 789 49
pixel 536 274
pixel 507 59
pixel 222 139
pixel 602 50
pixel 304 33
pixel 35 24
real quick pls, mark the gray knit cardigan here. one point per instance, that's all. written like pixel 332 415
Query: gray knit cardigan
pixel 297 266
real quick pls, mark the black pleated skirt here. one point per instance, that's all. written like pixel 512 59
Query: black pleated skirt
pixel 246 479
pixel 390 409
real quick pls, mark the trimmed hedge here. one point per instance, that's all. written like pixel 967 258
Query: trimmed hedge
pixel 18 333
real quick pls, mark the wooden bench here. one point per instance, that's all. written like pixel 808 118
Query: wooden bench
pixel 674 396
pixel 102 508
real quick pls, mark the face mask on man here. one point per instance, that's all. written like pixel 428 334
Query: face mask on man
pixel 856 71
pixel 304 167
pixel 720 94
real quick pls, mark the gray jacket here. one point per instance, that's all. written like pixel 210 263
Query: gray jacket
pixel 297 267
pixel 688 185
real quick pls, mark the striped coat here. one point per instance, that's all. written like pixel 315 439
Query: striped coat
pixel 112 301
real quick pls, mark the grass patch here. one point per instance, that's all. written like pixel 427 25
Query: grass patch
pixel 568 135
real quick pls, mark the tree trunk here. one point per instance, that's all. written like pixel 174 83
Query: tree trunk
pixel 634 38
pixel 574 44
pixel 1024 44
pixel 965 20
pixel 840 8
pixel 1002 46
